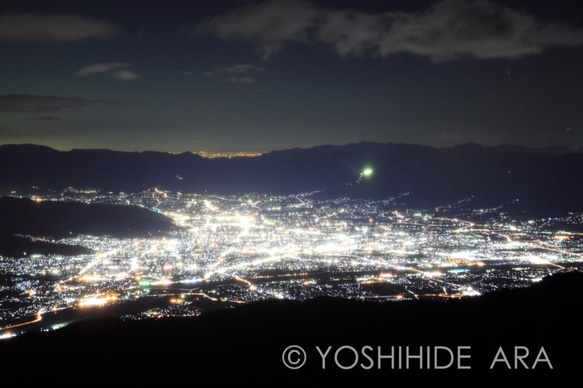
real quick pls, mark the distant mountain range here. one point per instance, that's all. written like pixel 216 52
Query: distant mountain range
pixel 545 181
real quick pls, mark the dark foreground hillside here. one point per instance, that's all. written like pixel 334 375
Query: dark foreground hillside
pixel 473 341
pixel 58 219
pixel 63 219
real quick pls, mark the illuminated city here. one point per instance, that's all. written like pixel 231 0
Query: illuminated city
pixel 229 250
pixel 242 154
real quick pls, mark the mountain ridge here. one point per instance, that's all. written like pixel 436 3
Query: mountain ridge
pixel 545 182
pixel 537 150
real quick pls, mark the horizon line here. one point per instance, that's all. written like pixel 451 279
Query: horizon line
pixel 249 153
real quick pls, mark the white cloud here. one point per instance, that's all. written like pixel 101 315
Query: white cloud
pixel 100 68
pixel 239 69
pixel 241 80
pixel 269 25
pixel 125 74
pixel 351 32
pixel 237 74
pixel 117 70
pixel 447 30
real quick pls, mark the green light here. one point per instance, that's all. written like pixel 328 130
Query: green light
pixel 145 283
pixel 367 172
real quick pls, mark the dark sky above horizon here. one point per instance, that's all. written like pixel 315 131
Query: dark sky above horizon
pixel 222 76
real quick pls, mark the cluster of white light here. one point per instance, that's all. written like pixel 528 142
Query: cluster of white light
pixel 219 241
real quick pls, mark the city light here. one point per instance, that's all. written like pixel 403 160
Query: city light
pixel 241 249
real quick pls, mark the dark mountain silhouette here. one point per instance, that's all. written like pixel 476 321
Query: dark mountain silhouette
pixel 546 181
pixel 245 344
pixel 54 220
pixel 62 219
pixel 19 246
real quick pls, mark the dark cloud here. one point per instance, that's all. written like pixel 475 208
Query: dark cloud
pixel 53 27
pixel 448 30
pixel 22 103
pixel 481 29
pixel 46 118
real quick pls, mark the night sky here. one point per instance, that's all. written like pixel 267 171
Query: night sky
pixel 223 76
